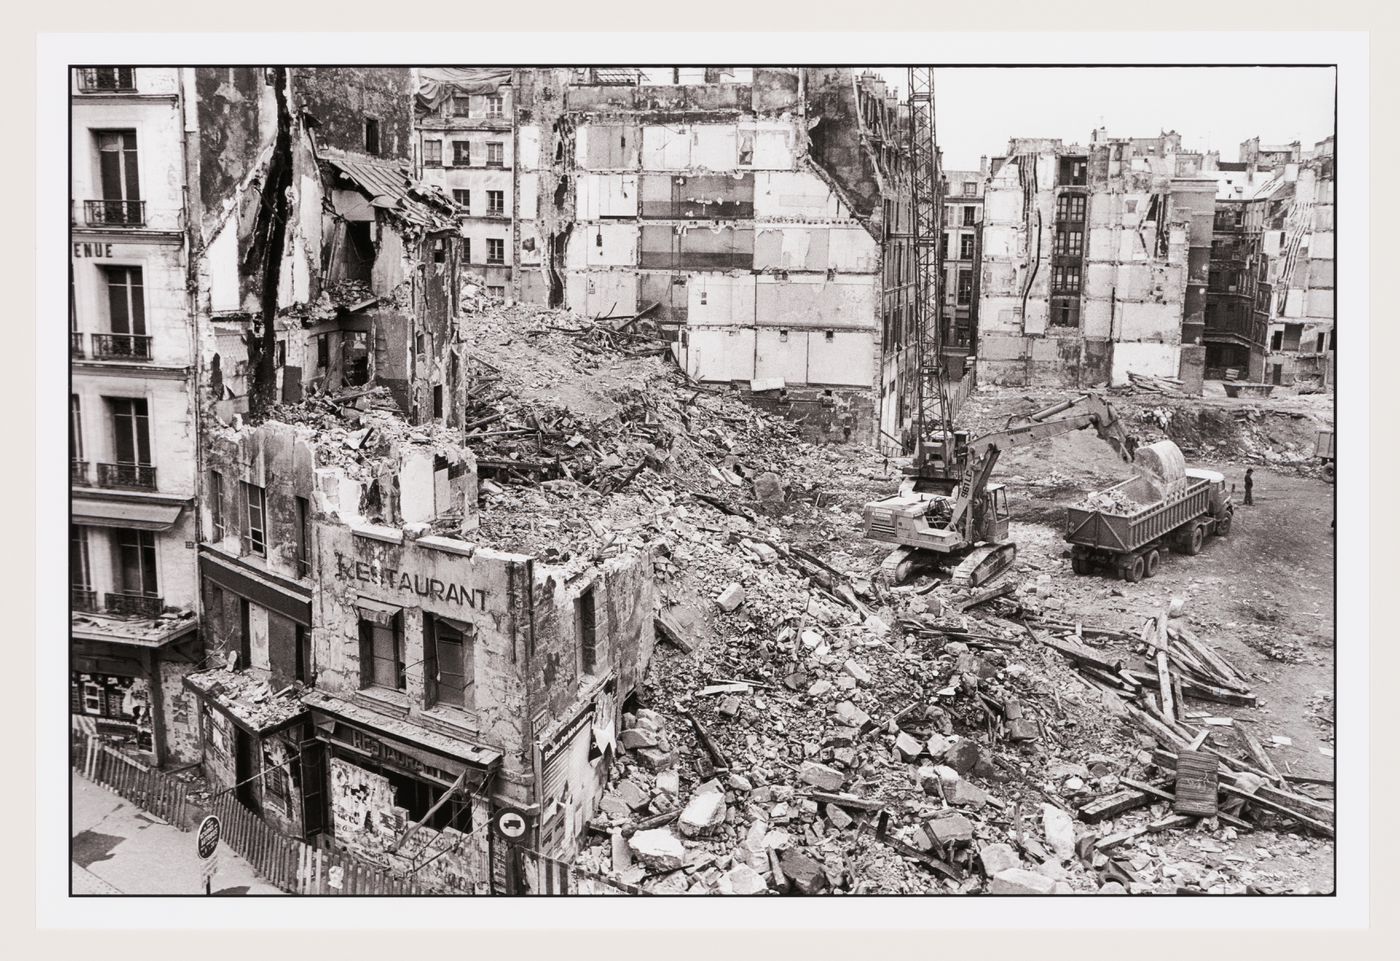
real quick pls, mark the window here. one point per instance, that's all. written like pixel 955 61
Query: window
pixel 118 171
pixel 495 154
pixel 461 153
pixel 92 698
pixel 79 561
pixel 303 536
pixel 463 197
pixel 1069 242
pixel 107 78
pixel 1074 171
pixel 969 189
pixel 1069 207
pixel 131 432
pixel 439 250
pixel 1276 343
pixel 1065 280
pixel 495 251
pixel 136 562
pixel 279 357
pixel 586 613
pixel 450 663
pixel 254 519
pixel 323 351
pixel 432 153
pixel 964 287
pixel 381 661
pixel 969 216
pixel 1321 342
pixel 943 253
pixel 496 202
pixel 459 107
pixel 437 401
pixel 965 246
pixel 495 104
pixel 75 429
pixel 1064 314
pixel 831 336
pixel 372 137
pixel 496 291
pixel 466 250
pixel 126 300
pixel 216 503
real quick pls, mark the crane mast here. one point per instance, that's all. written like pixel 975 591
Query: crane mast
pixel 933 451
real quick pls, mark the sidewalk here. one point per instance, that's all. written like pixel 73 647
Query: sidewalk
pixel 119 849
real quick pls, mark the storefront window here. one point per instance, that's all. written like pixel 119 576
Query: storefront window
pixel 381 655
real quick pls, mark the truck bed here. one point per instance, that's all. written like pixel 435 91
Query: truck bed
pixel 1122 533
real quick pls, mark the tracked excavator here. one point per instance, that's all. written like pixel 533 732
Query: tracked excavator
pixel 950 514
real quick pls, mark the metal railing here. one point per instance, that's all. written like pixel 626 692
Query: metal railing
pixel 84 600
pixel 135 476
pixel 115 213
pixel 127 604
pixel 107 80
pixel 79 471
pixel 75 341
pixel 121 346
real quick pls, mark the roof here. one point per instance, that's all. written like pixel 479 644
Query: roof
pixel 389 187
pixel 247 697
pixel 436 84
pixel 476 755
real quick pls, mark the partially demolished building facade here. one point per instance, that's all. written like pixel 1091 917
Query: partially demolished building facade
pixel 759 216
pixel 1094 263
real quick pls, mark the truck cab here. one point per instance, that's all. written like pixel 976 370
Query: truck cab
pixel 1222 505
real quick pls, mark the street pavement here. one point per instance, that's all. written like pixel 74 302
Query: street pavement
pixel 117 848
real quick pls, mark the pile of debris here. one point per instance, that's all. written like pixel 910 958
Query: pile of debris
pixel 1114 500
pixel 248 694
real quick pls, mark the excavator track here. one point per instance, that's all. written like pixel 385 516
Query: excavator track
pixel 983 564
pixel 899 565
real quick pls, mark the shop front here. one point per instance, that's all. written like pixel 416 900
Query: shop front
pixel 399 795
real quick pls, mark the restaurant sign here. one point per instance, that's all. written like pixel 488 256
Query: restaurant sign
pixel 430 587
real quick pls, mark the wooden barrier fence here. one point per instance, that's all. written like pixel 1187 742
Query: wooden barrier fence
pixel 148 789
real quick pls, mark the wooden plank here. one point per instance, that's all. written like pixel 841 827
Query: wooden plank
pixel 1164 685
pixel 1113 805
pixel 1082 655
pixel 1257 754
pixel 1260 799
pixel 1205 652
pixel 1310 807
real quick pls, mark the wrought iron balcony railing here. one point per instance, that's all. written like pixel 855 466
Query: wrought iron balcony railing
pixel 134 476
pixel 115 213
pixel 84 600
pixel 79 471
pixel 107 80
pixel 121 346
pixel 76 344
pixel 128 604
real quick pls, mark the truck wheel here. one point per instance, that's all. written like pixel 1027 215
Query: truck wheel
pixel 1150 564
pixel 1133 569
pixel 1222 526
pixel 1080 565
pixel 1195 539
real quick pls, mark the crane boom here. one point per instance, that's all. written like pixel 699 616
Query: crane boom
pixel 934 428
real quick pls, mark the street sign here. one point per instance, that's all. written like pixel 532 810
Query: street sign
pixel 510 823
pixel 208 836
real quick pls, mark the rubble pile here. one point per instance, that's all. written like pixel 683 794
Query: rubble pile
pixel 1111 501
pixel 248 695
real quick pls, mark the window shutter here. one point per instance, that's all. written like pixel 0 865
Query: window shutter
pixel 430 661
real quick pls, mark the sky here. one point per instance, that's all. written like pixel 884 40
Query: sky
pixel 980 108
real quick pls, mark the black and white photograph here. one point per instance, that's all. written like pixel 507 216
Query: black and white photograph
pixel 905 477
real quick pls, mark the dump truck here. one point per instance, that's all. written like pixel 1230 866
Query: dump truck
pixel 1125 528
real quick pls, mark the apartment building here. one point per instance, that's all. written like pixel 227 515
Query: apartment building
pixel 962 258
pixel 1095 262
pixel 132 430
pixel 464 124
pixel 758 216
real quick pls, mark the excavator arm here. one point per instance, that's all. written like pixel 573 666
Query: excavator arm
pixel 982 452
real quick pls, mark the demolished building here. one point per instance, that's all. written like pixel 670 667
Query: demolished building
pixel 759 216
pixel 1095 263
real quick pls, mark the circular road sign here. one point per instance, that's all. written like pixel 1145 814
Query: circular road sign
pixel 510 823
pixel 208 836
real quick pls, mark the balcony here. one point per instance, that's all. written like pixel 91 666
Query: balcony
pixel 121 346
pixel 78 470
pixel 115 213
pixel 75 341
pixel 84 600
pixel 107 80
pixel 134 605
pixel 1237 329
pixel 129 476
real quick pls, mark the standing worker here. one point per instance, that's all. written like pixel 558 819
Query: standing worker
pixel 1249 487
